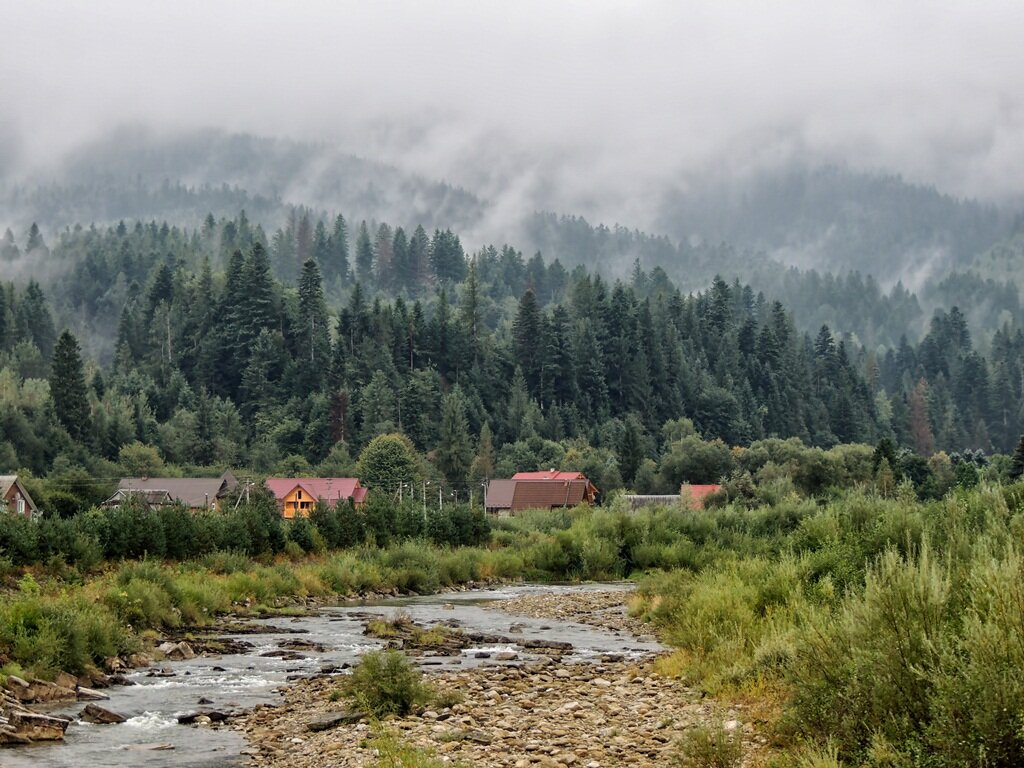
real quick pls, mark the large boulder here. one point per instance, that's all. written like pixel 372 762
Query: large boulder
pixel 177 651
pixel 33 726
pixel 100 716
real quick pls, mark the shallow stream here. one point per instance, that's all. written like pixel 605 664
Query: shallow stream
pixel 240 681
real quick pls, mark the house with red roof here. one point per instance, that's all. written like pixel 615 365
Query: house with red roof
pixel 298 496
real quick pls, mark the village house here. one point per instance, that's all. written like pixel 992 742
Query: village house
pixel 590 492
pixel 196 493
pixel 15 498
pixel 299 495
pixel 539 490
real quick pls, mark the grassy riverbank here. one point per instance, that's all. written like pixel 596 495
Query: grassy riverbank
pixel 876 631
pixel 57 617
pixel 881 632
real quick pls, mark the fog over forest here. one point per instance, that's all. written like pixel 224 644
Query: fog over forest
pixel 597 109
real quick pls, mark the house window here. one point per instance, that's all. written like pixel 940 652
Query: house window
pixel 20 505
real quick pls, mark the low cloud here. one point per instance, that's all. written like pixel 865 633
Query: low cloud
pixel 586 107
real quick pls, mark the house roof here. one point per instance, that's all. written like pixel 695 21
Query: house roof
pixel 6 481
pixel 516 495
pixel 150 497
pixel 696 493
pixel 500 493
pixel 326 488
pixel 551 474
pixel 191 491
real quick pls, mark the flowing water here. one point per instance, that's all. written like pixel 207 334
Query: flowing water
pixel 240 681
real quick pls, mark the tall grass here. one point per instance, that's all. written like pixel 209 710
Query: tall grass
pixel 894 628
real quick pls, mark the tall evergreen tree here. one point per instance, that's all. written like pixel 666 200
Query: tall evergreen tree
pixel 528 340
pixel 33 319
pixel 364 255
pixel 419 259
pixel 314 345
pixel 454 451
pixel 402 266
pixel 1017 464
pixel 67 387
pixel 337 266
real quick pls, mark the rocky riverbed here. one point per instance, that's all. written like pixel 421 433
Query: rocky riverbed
pixel 611 711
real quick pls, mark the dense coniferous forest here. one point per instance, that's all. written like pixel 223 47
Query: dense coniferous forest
pixel 290 350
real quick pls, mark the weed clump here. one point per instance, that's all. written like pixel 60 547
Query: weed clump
pixel 386 683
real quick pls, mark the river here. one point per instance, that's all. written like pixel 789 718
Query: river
pixel 240 681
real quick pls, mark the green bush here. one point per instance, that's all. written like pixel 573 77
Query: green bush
pixel 386 683
pixel 709 748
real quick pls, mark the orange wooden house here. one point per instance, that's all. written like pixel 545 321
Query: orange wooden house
pixel 299 495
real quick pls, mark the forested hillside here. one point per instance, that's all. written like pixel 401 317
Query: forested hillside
pixel 228 346
pixel 866 254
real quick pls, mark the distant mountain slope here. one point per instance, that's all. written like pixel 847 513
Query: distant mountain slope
pixel 836 220
pixel 136 173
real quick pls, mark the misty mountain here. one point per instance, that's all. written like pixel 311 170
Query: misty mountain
pixel 834 219
pixel 180 177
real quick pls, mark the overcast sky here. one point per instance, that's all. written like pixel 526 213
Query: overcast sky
pixel 576 98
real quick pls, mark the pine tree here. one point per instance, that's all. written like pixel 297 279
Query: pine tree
pixel 67 387
pixel 631 452
pixel 314 345
pixel 337 267
pixel 1017 465
pixel 35 240
pixel 364 255
pixel 258 301
pixel 528 340
pixel 33 319
pixel 419 259
pixel 403 269
pixel 920 423
pixel 482 467
pixel 447 258
pixel 471 312
pixel 454 452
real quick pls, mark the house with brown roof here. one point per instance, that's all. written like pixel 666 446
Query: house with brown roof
pixel 15 498
pixel 298 496
pixel 196 493
pixel 589 495
pixel 507 497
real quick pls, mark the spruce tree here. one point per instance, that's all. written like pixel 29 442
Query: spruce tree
pixel 402 268
pixel 454 452
pixel 33 319
pixel 67 387
pixel 482 467
pixel 364 255
pixel 528 340
pixel 338 266
pixel 1017 465
pixel 314 344
pixel 419 259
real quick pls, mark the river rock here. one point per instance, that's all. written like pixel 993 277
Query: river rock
pixel 177 651
pixel 29 726
pixel 88 694
pixel 64 680
pixel 333 720
pixel 100 716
